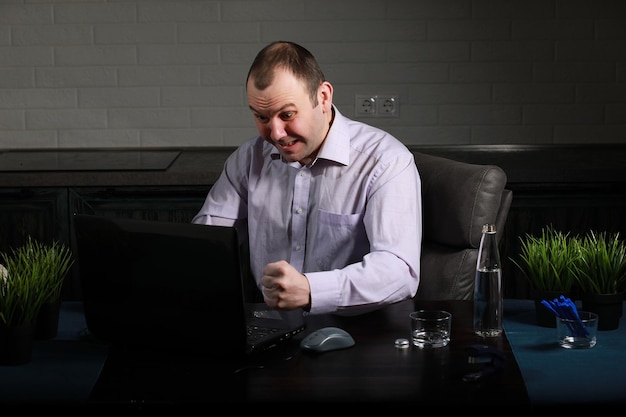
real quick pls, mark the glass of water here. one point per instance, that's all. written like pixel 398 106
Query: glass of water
pixel 430 328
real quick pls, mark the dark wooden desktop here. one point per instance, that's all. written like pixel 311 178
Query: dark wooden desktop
pixel 373 371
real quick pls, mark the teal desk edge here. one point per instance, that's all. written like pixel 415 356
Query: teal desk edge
pixel 557 376
pixel 63 370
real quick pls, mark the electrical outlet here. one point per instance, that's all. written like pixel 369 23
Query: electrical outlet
pixel 387 106
pixel 372 105
pixel 365 105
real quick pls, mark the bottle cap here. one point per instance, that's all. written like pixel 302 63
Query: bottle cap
pixel 401 343
pixel 489 228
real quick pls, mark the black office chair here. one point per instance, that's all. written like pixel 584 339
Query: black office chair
pixel 458 198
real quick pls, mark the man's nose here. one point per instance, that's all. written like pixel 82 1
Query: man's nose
pixel 277 129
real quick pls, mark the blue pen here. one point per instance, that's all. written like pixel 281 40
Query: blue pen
pixel 564 308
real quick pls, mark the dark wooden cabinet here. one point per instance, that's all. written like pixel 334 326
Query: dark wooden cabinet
pixel 170 204
pixel 575 188
pixel 40 213
pixel 45 214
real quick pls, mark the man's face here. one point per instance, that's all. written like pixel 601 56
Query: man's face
pixel 286 118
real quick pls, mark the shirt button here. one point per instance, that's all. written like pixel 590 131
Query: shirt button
pixel 299 211
pixel 298 247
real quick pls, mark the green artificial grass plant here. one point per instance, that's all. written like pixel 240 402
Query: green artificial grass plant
pixel 600 267
pixel 546 260
pixel 32 274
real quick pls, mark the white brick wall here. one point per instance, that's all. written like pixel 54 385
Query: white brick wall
pixel 152 73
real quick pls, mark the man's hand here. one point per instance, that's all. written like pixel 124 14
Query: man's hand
pixel 284 287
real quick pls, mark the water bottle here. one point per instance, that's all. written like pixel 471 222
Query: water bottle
pixel 488 286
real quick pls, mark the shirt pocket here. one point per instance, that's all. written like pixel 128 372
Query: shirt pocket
pixel 340 240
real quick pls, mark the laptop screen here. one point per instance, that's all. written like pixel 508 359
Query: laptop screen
pixel 160 285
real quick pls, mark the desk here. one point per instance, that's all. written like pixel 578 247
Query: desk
pixel 557 376
pixel 373 371
pixel 70 370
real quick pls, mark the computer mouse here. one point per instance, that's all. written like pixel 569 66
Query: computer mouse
pixel 327 339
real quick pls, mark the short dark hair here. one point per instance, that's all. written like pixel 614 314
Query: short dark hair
pixel 289 56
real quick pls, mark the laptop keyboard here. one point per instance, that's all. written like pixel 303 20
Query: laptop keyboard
pixel 258 332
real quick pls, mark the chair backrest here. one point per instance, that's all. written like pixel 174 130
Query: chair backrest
pixel 458 198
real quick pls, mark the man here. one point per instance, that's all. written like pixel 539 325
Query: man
pixel 331 207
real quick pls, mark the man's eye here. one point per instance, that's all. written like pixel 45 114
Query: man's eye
pixel 260 118
pixel 287 115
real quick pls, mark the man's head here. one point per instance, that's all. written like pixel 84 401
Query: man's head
pixel 290 100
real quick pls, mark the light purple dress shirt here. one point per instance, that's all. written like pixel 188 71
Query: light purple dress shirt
pixel 351 221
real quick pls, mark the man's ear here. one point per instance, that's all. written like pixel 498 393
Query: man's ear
pixel 325 95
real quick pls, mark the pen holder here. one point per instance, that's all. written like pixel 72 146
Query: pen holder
pixel 577 334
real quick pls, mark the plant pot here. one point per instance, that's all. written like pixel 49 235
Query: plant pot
pixel 608 306
pixel 545 317
pixel 16 345
pixel 47 324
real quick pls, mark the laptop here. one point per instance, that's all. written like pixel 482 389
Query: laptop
pixel 173 287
